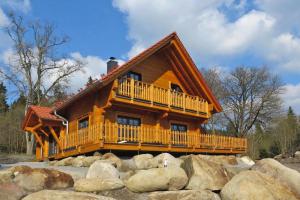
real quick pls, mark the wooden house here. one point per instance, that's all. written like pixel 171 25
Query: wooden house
pixel 154 102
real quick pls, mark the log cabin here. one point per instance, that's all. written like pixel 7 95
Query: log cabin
pixel 155 102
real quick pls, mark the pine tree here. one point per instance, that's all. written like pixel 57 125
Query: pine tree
pixel 89 82
pixel 3 99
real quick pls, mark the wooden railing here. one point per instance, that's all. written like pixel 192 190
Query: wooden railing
pixel 113 133
pixel 149 93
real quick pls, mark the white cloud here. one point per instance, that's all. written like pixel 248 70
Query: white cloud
pixel 19 5
pixel 212 36
pixel 291 97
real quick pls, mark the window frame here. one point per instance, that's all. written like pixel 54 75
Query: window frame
pixel 179 124
pixel 87 118
pixel 139 75
pixel 129 117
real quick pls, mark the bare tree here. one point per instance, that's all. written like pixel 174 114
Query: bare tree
pixel 251 95
pixel 35 68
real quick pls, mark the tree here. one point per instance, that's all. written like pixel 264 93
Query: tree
pixel 36 68
pixel 251 95
pixel 3 103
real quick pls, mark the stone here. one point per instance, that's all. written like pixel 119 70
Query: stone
pixel 297 155
pixel 97 153
pixel 144 161
pixel 252 185
pixel 78 161
pixel 127 165
pixel 102 170
pixel 64 162
pixel 97 184
pixel 113 158
pixel 11 191
pixel 222 160
pixel 283 174
pixel 6 176
pixel 123 194
pixel 169 178
pixel 39 178
pixel 184 195
pixel 62 195
pixel 204 174
pixel 171 160
pixel 88 161
pixel 246 160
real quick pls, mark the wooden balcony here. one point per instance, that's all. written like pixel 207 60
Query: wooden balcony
pixel 146 138
pixel 145 94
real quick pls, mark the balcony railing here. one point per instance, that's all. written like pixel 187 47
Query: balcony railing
pixel 154 95
pixel 113 133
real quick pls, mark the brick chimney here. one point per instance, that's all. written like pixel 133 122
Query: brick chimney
pixel 112 64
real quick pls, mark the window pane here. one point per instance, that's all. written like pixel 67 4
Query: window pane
pixel 83 123
pixel 129 121
pixel 179 127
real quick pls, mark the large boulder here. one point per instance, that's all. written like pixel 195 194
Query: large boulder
pixel 222 160
pixel 37 179
pixel 62 195
pixel 97 184
pixel 127 165
pixel 297 155
pixel 88 161
pixel 78 161
pixel 283 174
pixel 100 169
pixel 169 178
pixel 11 191
pixel 204 174
pixel 246 160
pixel 6 176
pixel 252 185
pixel 144 161
pixel 123 194
pixel 184 195
pixel 112 158
pixel 64 162
pixel 170 160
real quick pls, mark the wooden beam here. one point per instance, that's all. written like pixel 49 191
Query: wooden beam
pixel 44 132
pixel 55 137
pixel 30 129
pixel 37 137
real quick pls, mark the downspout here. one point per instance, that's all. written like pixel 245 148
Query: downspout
pixel 65 122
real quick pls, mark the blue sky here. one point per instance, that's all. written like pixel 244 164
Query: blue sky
pixel 217 33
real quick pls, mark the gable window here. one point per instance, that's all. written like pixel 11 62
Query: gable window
pixel 179 127
pixel 135 76
pixel 83 123
pixel 175 87
pixel 124 120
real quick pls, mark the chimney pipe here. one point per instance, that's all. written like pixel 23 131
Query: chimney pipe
pixel 112 64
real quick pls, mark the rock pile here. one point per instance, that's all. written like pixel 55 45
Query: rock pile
pixel 148 177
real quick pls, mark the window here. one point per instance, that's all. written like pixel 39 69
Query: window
pixel 124 120
pixel 83 123
pixel 134 76
pixel 175 87
pixel 179 127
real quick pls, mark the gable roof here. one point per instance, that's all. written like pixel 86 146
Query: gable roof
pixel 112 75
pixel 43 113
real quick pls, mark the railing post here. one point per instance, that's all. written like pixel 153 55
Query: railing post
pixel 132 89
pixel 197 104
pixel 151 93
pixel 183 101
pixel 169 98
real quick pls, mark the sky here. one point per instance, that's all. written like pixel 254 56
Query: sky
pixel 217 33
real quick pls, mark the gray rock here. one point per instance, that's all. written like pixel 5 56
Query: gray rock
pixel 100 169
pixel 97 184
pixel 64 162
pixel 6 176
pixel 184 195
pixel 171 160
pixel 123 194
pixel 283 174
pixel 40 178
pixel 170 178
pixel 253 185
pixel 204 174
pixel 11 191
pixel 144 161
pixel 62 195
